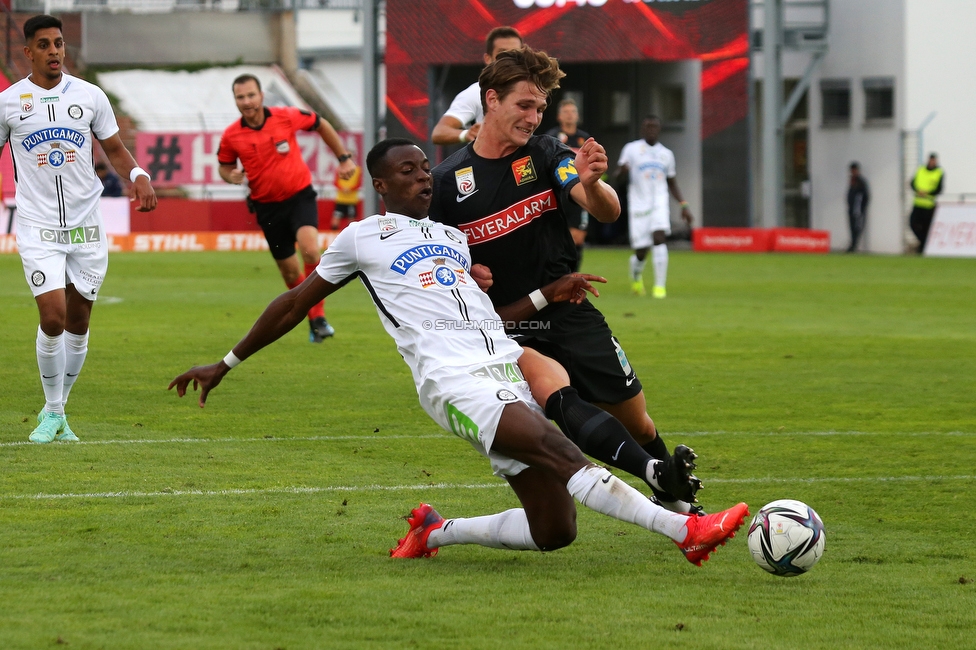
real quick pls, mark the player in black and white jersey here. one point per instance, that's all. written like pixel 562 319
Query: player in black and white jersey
pixel 507 191
pixel 50 119
pixel 466 371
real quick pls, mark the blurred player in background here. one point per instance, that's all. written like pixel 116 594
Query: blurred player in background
pixel 466 373
pixel 508 192
pixel 573 137
pixel 280 182
pixel 346 208
pixel 50 119
pixel 648 168
pixel 463 118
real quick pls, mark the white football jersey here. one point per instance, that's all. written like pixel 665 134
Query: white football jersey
pixel 50 136
pixel 417 272
pixel 466 106
pixel 649 167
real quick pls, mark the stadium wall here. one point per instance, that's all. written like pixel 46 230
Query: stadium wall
pixel 128 39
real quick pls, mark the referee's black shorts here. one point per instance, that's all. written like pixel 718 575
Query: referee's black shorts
pixel 280 220
pixel 579 338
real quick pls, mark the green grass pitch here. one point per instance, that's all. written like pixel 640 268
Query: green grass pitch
pixel 264 520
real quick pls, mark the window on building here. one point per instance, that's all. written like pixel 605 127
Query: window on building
pixel 879 99
pixel 670 102
pixel 835 102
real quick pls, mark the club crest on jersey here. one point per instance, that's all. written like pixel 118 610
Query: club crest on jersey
pixel 27 102
pixel 282 147
pixel 566 171
pixel 387 224
pixel 75 112
pixel 524 170
pixel 442 275
pixel 55 157
pixel 465 181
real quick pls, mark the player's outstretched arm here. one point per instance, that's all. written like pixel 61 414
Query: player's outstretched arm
pixel 280 317
pixel 572 287
pixel 123 162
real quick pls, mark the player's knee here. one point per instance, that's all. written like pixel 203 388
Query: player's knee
pixel 556 534
pixel 660 237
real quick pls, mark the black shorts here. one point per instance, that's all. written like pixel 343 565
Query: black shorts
pixel 344 211
pixel 280 220
pixel 579 338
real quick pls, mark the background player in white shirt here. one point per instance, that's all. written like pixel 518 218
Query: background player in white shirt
pixel 50 119
pixel 649 168
pixel 466 373
pixel 463 118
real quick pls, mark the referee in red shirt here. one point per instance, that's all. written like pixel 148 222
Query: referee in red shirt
pixel 280 183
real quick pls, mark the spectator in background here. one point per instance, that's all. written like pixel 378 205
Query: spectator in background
pixel 927 183
pixel 857 204
pixel 347 199
pixel 461 122
pixel 111 185
pixel 280 183
pixel 573 137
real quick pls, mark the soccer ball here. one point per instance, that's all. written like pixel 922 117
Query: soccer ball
pixel 786 538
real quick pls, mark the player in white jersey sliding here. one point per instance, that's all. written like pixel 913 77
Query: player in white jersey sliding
pixel 466 372
pixel 50 119
pixel 649 168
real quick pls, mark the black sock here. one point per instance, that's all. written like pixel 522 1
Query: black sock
pixel 656 448
pixel 596 432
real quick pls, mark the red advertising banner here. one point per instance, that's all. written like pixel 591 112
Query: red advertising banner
pixel 747 240
pixel 191 158
pixel 761 240
pixel 800 240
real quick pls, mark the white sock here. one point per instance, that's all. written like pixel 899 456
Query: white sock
pixel 50 361
pixel 598 489
pixel 659 254
pixel 509 530
pixel 636 267
pixel 75 351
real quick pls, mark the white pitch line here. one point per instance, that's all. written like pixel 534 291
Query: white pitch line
pixel 124 494
pixel 261 439
pixel 448 436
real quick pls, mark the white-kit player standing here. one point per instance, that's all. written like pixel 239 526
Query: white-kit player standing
pixel 50 119
pixel 649 168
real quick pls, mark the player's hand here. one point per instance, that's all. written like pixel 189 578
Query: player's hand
pixel 346 169
pixel 204 377
pixel 572 288
pixel 236 176
pixel 482 275
pixel 473 131
pixel 143 192
pixel 686 215
pixel 591 162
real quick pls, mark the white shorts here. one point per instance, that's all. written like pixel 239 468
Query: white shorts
pixel 54 258
pixel 645 223
pixel 468 402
